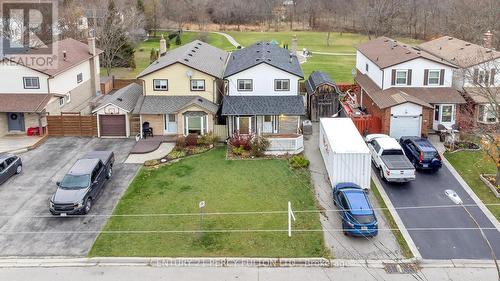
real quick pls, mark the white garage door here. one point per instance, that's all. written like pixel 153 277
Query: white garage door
pixel 405 126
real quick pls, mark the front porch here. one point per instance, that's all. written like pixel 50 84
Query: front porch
pixel 285 144
pixel 15 143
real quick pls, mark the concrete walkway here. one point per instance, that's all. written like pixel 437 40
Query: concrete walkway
pixel 162 151
pixel 229 38
pixel 17 143
pixel 383 246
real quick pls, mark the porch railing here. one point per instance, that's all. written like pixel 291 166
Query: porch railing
pixel 286 144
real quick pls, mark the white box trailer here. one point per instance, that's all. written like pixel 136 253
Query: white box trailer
pixel 346 156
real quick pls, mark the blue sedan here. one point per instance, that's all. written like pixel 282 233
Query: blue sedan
pixel 358 217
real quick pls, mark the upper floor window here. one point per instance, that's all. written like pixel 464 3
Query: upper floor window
pixel 487 113
pixel 245 84
pixel 61 101
pixel 197 85
pixel 433 77
pixel 282 85
pixel 484 76
pixel 401 77
pixel 79 78
pixel 160 84
pixel 31 82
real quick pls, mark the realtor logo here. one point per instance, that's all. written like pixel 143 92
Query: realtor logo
pixel 27 26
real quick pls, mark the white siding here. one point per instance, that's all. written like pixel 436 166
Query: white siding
pixel 11 80
pixel 66 81
pixel 417 77
pixel 468 74
pixel 263 76
pixel 374 71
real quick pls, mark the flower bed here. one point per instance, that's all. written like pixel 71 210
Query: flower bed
pixel 490 181
pixel 462 146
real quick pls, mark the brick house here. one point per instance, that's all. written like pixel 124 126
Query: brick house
pixel 408 89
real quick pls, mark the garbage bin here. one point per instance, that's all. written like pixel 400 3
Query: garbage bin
pixel 307 127
pixel 442 137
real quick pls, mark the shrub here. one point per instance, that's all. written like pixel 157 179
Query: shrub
pixel 150 163
pixel 238 150
pixel 208 139
pixel 298 161
pixel 192 140
pixel 238 140
pixel 178 40
pixel 180 143
pixel 258 146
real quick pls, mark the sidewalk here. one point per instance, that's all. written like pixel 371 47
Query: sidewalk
pixel 229 38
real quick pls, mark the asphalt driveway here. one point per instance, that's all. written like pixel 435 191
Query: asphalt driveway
pixel 428 190
pixel 383 246
pixel 26 227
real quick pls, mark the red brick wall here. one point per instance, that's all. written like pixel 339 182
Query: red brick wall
pixel 383 114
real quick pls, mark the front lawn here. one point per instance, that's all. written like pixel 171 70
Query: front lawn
pixel 226 186
pixel 469 164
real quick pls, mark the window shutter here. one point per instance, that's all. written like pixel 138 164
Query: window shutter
pixel 492 76
pixel 475 76
pixel 426 77
pixel 441 77
pixel 393 78
pixel 408 81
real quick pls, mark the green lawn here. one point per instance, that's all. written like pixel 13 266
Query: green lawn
pixel 339 67
pixel 226 186
pixel 469 165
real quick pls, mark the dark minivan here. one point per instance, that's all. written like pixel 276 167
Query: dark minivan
pixel 421 153
pixel 83 184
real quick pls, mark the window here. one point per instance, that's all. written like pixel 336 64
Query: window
pixel 197 85
pixel 68 97
pixel 196 124
pixel 401 77
pixel 282 85
pixel 245 84
pixel 487 113
pixel 61 101
pixel 31 83
pixel 160 84
pixel 366 67
pixel 447 113
pixel 483 77
pixel 433 77
pixel 79 78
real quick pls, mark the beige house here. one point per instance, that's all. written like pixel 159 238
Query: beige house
pixel 182 90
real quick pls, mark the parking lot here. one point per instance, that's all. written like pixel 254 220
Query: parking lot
pixel 26 226
pixel 383 246
pixel 436 210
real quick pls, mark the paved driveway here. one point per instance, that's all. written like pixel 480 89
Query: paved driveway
pixel 27 194
pixel 383 246
pixel 428 190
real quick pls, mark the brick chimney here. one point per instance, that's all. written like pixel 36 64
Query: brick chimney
pixel 163 46
pixel 488 39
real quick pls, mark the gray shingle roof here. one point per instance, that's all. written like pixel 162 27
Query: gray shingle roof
pixel 316 79
pixel 263 52
pixel 197 55
pixel 125 98
pixel 263 105
pixel 173 104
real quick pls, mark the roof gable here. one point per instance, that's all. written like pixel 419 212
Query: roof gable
pixel 263 52
pixel 197 55
pixel 125 98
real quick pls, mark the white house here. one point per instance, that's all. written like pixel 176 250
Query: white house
pixel 30 91
pixel 476 68
pixel 262 95
pixel 409 89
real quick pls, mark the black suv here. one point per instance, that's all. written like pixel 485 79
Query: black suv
pixel 421 153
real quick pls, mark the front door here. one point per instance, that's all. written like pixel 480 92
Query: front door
pixel 170 124
pixel 444 114
pixel 244 124
pixel 268 124
pixel 15 121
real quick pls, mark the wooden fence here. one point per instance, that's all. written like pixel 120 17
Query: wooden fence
pixel 72 125
pixel 367 124
pixel 221 132
pixel 121 83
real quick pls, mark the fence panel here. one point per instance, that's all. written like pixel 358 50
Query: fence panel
pixel 221 132
pixel 72 125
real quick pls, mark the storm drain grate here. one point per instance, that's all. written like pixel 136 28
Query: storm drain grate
pixel 401 268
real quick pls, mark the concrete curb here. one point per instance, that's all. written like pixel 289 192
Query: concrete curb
pixel 231 262
pixel 406 235
pixel 472 194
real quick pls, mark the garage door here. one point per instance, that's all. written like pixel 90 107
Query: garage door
pixel 112 125
pixel 405 126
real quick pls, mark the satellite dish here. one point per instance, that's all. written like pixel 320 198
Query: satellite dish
pixel 189 73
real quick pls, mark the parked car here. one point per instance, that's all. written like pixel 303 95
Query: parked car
pixel 390 159
pixel 83 184
pixel 421 153
pixel 358 217
pixel 9 166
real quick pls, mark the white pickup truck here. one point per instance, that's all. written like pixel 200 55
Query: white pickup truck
pixel 389 158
